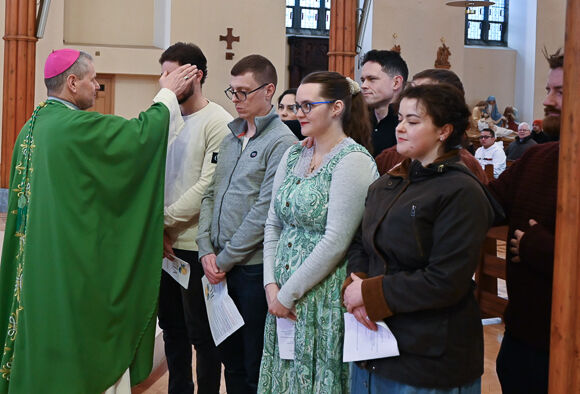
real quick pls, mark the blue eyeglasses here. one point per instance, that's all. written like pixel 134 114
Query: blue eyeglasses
pixel 307 107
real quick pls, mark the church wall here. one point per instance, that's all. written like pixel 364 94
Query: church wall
pixel 112 22
pixel 128 87
pixel 258 23
pixel 260 32
pixel 489 72
pixel 419 25
pixel 522 38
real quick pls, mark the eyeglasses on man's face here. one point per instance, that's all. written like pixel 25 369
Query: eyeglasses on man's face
pixel 240 95
pixel 307 107
pixel 484 137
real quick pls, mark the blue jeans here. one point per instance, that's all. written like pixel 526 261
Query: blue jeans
pixel 365 382
pixel 241 353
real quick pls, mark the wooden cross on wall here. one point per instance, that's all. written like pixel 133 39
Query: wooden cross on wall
pixel 229 39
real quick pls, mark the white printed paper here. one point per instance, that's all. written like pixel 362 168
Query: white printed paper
pixel 223 315
pixel 285 329
pixel 178 269
pixel 360 343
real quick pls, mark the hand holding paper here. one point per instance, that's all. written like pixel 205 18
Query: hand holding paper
pixel 360 343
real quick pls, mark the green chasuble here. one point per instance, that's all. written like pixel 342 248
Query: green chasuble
pixel 81 263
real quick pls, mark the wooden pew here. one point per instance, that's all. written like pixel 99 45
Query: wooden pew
pixel 491 267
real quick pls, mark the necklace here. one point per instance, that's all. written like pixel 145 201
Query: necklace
pixel 315 162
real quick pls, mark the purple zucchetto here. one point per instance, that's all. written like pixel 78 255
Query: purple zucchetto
pixel 59 61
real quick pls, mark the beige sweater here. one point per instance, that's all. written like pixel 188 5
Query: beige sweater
pixel 191 162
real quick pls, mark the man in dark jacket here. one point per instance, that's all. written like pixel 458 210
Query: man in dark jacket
pixel 538 134
pixel 527 191
pixel 383 78
pixel 522 143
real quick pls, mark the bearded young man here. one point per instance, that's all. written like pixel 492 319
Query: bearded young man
pixel 191 162
pixel 527 192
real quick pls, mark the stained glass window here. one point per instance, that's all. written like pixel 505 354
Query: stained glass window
pixel 487 25
pixel 308 17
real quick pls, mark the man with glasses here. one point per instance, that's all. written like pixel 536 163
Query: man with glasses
pixel 491 152
pixel 234 211
pixel 523 142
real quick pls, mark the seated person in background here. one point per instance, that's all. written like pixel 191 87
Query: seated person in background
pixel 389 157
pixel 491 152
pixel 500 132
pixel 286 103
pixel 510 115
pixel 538 134
pixel 522 143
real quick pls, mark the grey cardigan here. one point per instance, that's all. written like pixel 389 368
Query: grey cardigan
pixel 235 205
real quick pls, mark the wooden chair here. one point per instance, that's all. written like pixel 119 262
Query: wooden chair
pixel 491 267
pixel 489 171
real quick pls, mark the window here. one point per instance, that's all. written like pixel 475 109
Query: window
pixel 308 17
pixel 487 25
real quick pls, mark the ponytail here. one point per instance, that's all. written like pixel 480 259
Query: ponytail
pixel 355 117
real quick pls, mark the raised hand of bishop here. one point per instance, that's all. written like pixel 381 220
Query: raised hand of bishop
pixel 179 80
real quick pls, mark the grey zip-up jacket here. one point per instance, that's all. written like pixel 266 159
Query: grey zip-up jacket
pixel 235 205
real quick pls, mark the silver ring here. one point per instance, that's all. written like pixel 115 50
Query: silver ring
pixel 186 77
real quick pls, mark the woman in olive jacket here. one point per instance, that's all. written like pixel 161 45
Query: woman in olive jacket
pixel 412 261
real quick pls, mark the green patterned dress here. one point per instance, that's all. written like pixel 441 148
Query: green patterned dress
pixel 301 204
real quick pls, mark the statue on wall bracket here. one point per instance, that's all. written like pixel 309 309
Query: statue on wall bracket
pixel 443 54
pixel 396 47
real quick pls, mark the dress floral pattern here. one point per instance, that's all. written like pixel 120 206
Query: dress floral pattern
pixel 301 204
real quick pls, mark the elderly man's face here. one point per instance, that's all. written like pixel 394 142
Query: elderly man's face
pixel 523 131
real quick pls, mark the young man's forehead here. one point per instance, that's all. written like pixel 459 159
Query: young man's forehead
pixel 245 80
pixel 372 68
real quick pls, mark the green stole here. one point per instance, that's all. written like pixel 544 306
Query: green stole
pixel 81 261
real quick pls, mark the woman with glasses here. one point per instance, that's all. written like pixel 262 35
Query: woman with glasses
pixel 411 264
pixel 317 204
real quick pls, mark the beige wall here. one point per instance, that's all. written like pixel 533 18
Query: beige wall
pixel 128 90
pixel 419 25
pixel 190 22
pixel 489 72
pixel 121 23
pixel 258 23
